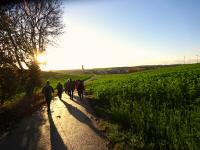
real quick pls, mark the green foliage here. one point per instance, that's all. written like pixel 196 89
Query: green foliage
pixel 8 83
pixel 158 109
pixel 15 82
pixel 34 79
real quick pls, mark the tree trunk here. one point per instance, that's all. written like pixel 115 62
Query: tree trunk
pixel 15 49
pixel 34 79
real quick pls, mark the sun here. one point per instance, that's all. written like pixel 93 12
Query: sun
pixel 42 58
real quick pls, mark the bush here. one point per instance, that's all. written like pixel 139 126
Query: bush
pixel 9 83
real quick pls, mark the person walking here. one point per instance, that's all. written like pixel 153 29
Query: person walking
pixel 72 88
pixel 47 91
pixel 68 88
pixel 80 88
pixel 59 88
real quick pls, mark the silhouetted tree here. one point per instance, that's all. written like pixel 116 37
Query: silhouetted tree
pixel 26 28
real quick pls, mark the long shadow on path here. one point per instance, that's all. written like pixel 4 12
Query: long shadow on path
pixel 56 140
pixel 25 135
pixel 84 103
pixel 78 101
pixel 79 115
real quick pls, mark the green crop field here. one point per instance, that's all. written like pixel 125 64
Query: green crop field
pixel 156 109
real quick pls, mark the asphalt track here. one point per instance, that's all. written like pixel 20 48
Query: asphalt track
pixel 68 126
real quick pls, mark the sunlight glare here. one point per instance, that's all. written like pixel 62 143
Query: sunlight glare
pixel 42 59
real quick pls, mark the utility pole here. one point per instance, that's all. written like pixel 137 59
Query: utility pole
pixel 197 59
pixel 184 59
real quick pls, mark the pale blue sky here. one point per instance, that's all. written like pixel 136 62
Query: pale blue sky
pixel 107 33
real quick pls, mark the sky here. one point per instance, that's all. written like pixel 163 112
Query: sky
pixel 113 33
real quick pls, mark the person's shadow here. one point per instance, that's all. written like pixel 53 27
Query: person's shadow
pixel 84 103
pixel 78 101
pixel 56 140
pixel 79 115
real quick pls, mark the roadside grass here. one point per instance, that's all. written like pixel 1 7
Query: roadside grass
pixel 12 111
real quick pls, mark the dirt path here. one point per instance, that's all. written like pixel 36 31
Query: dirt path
pixel 68 126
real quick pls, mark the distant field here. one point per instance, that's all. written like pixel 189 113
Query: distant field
pixel 55 77
pixel 153 109
pixel 113 70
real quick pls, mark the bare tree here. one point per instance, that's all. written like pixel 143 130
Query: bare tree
pixel 26 28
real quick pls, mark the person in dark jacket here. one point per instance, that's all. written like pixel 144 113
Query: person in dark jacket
pixel 70 87
pixel 48 91
pixel 59 88
pixel 80 88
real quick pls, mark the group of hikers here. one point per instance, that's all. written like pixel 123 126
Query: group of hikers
pixel 69 88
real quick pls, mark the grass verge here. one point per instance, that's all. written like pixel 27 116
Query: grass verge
pixel 14 110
